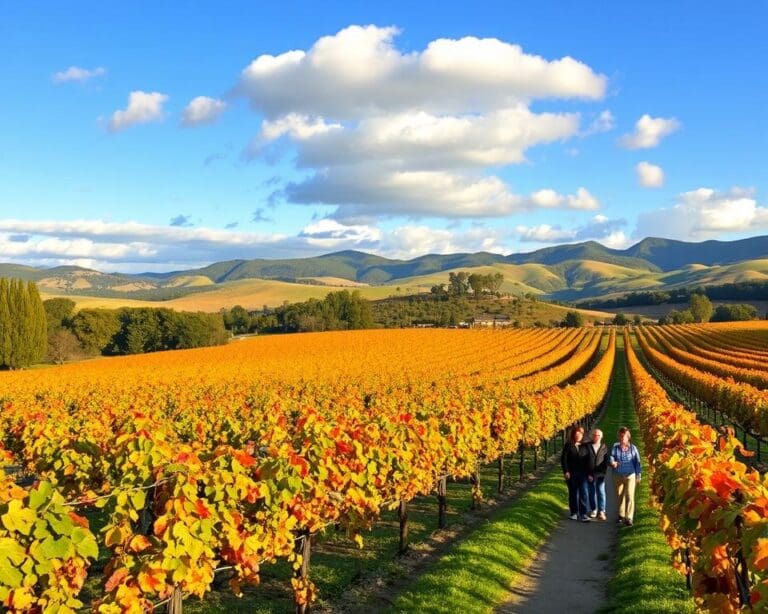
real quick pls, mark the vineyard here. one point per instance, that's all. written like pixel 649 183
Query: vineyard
pixel 234 457
pixel 182 471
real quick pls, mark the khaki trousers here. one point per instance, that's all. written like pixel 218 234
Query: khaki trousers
pixel 625 493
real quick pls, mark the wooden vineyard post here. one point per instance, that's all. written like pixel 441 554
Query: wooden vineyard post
pixel 402 513
pixel 501 473
pixel 442 502
pixel 174 604
pixel 304 548
pixel 476 496
pixel 522 460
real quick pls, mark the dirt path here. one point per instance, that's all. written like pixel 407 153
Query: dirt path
pixel 572 570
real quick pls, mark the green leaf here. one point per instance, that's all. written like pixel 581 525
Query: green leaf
pixel 88 548
pixel 12 550
pixel 40 495
pixel 61 524
pixel 138 499
pixel 18 518
pixel 55 548
pixel 11 576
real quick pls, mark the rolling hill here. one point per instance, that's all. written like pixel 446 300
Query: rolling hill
pixel 564 272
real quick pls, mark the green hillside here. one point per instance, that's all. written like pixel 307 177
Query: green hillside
pixel 564 272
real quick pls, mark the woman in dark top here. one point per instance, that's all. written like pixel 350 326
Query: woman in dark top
pixel 597 466
pixel 574 460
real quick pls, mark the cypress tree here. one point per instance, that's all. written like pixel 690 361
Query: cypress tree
pixel 39 333
pixel 16 352
pixel 23 326
pixel 5 323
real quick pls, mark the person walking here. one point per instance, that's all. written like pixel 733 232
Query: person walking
pixel 573 460
pixel 625 461
pixel 597 467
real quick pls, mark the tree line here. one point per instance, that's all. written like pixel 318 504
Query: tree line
pixel 342 310
pixel 112 332
pixel 745 291
pixel 701 309
pixel 462 283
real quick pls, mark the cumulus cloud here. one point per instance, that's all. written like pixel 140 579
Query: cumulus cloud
pixel 649 175
pixel 411 241
pixel 366 193
pixel 202 110
pixel 371 122
pixel 544 233
pixel 705 213
pixel 421 140
pixel 76 73
pixel 330 234
pixel 600 228
pixel 143 107
pixel 359 72
pixel 649 131
pixel 549 198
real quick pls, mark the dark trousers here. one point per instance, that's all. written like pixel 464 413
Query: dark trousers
pixel 578 494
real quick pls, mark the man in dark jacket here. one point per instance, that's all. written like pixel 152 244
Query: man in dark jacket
pixel 573 460
pixel 597 466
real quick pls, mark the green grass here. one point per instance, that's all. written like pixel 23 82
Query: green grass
pixel 644 579
pixel 478 573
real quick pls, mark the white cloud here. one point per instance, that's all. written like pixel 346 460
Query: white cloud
pixel 548 198
pixel 409 241
pixel 330 234
pixel 649 131
pixel 420 140
pixel 605 122
pixel 299 127
pixel 130 246
pixel 365 193
pixel 143 107
pixel 705 213
pixel 544 233
pixel 391 133
pixel 599 228
pixel 615 240
pixel 81 75
pixel 202 110
pixel 359 72
pixel 649 175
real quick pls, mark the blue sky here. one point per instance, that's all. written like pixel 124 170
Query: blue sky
pixel 159 136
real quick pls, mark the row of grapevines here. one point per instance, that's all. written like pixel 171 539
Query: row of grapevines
pixel 742 402
pixel 671 344
pixel 711 344
pixel 714 508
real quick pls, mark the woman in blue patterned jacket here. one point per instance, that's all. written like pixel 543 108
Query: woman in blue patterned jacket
pixel 625 460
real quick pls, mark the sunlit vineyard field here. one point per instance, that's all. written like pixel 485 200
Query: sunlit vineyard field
pixel 230 458
pixel 184 472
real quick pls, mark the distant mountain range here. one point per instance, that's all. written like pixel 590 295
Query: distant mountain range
pixel 566 272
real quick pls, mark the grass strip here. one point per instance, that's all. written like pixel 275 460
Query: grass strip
pixel 644 579
pixel 479 572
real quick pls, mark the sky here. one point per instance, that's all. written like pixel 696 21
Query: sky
pixel 159 136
